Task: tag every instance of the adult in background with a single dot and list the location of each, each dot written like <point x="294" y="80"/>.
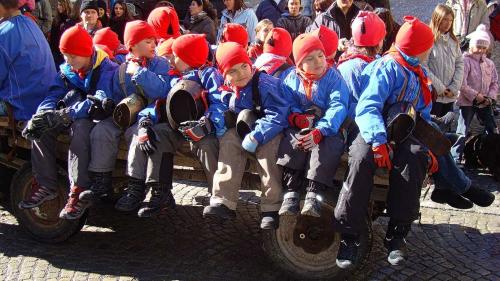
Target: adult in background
<point x="26" y="52"/>
<point x="320" y="6"/>
<point x="379" y="3"/>
<point x="119" y="18"/>
<point x="294" y="21"/>
<point x="43" y="15"/>
<point x="237" y="12"/>
<point x="64" y="19"/>
<point x="271" y="10"/>
<point x="469" y="14"/>
<point x="103" y="15"/>
<point x="201" y="19"/>
<point x="445" y="64"/>
<point x="89" y="13"/>
<point x="391" y="27"/>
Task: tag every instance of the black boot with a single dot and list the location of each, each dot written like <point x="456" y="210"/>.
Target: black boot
<point x="161" y="198"/>
<point x="132" y="199"/>
<point x="292" y="183"/>
<point x="395" y="242"/>
<point x="445" y="196"/>
<point x="101" y="185"/>
<point x="314" y="198"/>
<point x="479" y="197"/>
<point x="218" y="211"/>
<point x="348" y="251"/>
<point x="270" y="220"/>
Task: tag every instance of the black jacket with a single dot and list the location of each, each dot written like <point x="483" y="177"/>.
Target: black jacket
<point x="334" y="19"/>
<point x="295" y="25"/>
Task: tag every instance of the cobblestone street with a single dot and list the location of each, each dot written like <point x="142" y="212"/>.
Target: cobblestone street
<point x="180" y="245"/>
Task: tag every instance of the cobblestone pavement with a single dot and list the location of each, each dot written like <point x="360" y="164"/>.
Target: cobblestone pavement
<point x="179" y="245"/>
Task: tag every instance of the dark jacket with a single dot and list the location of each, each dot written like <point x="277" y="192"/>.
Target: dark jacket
<point x="202" y="24"/>
<point x="334" y="19"/>
<point x="390" y="37"/>
<point x="118" y="26"/>
<point x="58" y="27"/>
<point x="295" y="25"/>
<point x="268" y="9"/>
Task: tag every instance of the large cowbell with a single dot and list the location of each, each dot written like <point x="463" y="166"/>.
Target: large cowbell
<point x="400" y="121"/>
<point x="125" y="113"/>
<point x="185" y="102"/>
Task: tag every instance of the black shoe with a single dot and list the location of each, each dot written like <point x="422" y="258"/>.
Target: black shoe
<point x="312" y="205"/>
<point x="101" y="185"/>
<point x="348" y="251"/>
<point x="479" y="197"/>
<point x="161" y="198"/>
<point x="132" y="199"/>
<point x="219" y="211"/>
<point x="395" y="242"/>
<point x="290" y="205"/>
<point x="445" y="196"/>
<point x="270" y="220"/>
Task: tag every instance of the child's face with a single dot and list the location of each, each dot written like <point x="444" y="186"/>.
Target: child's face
<point x="445" y="24"/>
<point x="145" y="48"/>
<point x="180" y="65"/>
<point x="77" y="62"/>
<point x="294" y="7"/>
<point x="261" y="35"/>
<point x="89" y="17"/>
<point x="477" y="50"/>
<point x="314" y="63"/>
<point x="239" y="75"/>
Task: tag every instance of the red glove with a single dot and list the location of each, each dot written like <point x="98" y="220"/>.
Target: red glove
<point x="433" y="163"/>
<point x="301" y="121"/>
<point x="381" y="156"/>
<point x="309" y="139"/>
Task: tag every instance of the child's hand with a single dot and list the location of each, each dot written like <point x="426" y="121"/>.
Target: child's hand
<point x="448" y="93"/>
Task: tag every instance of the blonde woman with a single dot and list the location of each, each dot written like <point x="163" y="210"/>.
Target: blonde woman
<point x="445" y="64"/>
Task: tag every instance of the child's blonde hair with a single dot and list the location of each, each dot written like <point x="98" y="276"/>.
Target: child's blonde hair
<point x="263" y="23"/>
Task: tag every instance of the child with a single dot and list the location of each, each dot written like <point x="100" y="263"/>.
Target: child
<point x="86" y="72"/>
<point x="293" y="21"/>
<point x="234" y="32"/>
<point x="107" y="40"/>
<point x="479" y="89"/>
<point x="277" y="50"/>
<point x="313" y="144"/>
<point x="261" y="31"/>
<point x="254" y="91"/>
<point x="330" y="41"/>
<point x="165" y="22"/>
<point x="147" y="71"/>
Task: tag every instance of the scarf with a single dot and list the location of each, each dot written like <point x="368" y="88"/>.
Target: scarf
<point x="198" y="17"/>
<point x="308" y="81"/>
<point x="425" y="82"/>
<point x="345" y="57"/>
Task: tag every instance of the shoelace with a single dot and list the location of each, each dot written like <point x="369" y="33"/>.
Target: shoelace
<point x="38" y="192"/>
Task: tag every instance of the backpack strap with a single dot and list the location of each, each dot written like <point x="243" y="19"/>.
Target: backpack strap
<point x="121" y="78"/>
<point x="96" y="74"/>
<point x="256" y="94"/>
<point x="280" y="69"/>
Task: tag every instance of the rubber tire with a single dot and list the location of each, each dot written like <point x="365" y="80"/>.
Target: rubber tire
<point x="301" y="265"/>
<point x="53" y="229"/>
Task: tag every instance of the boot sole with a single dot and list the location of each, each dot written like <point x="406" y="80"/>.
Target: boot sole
<point x="288" y="213"/>
<point x="444" y="201"/>
<point x="310" y="213"/>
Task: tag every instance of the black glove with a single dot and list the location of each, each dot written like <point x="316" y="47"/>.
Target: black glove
<point x="195" y="130"/>
<point x="100" y="109"/>
<point x="46" y="120"/>
<point x="147" y="137"/>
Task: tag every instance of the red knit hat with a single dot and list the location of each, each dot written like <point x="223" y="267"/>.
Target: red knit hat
<point x="278" y="42"/>
<point x="329" y="38"/>
<point x="136" y="31"/>
<point x="191" y="49"/>
<point x="303" y="45"/>
<point x="368" y="29"/>
<point x="414" y="37"/>
<point x="165" y="21"/>
<point x="229" y="54"/>
<point x="107" y="37"/>
<point x="76" y="41"/>
<point x="165" y="47"/>
<point x="234" y="32"/>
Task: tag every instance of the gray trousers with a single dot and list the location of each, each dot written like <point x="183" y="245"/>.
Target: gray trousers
<point x="319" y="164"/>
<point x="44" y="151"/>
<point x="410" y="163"/>
<point x="148" y="167"/>
<point x="207" y="152"/>
<point x="105" y="142"/>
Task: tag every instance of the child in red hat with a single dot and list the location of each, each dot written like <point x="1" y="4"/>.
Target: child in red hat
<point x="261" y="30"/>
<point x="311" y="149"/>
<point x="330" y="41"/>
<point x="234" y="32"/>
<point x="145" y="72"/>
<point x="107" y="40"/>
<point x="81" y="93"/>
<point x="165" y="22"/>
<point x="277" y="50"/>
<point x="251" y="95"/>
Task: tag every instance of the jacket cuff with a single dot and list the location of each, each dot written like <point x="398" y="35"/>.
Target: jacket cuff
<point x="257" y="136"/>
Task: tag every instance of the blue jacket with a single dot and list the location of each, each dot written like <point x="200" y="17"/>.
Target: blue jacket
<point x="26" y="66"/>
<point x="210" y="80"/>
<point x="330" y="93"/>
<point x="104" y="87"/>
<point x="351" y="72"/>
<point x="382" y="82"/>
<point x="268" y="9"/>
<point x="154" y="80"/>
<point x="245" y="17"/>
<point x="274" y="106"/>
